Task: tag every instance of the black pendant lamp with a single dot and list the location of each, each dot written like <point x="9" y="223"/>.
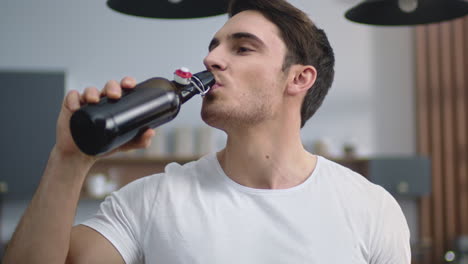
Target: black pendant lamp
<point x="172" y="9"/>
<point x="406" y="12"/>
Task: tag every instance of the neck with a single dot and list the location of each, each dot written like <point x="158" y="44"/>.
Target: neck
<point x="266" y="158"/>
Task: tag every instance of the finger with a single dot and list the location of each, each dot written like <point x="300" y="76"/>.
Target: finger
<point x="128" y="82"/>
<point x="72" y="101"/>
<point x="146" y="138"/>
<point x="112" y="90"/>
<point x="83" y="96"/>
<point x="143" y="141"/>
<point x="91" y="95"/>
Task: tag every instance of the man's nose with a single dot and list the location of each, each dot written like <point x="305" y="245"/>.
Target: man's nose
<point x="215" y="60"/>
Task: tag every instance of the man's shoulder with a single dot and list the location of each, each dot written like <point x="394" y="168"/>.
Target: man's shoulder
<point x="362" y="200"/>
<point x="351" y="185"/>
<point x="176" y="178"/>
<point x="343" y="175"/>
<point x="175" y="171"/>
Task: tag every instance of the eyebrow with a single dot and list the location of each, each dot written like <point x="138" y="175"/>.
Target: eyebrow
<point x="236" y="36"/>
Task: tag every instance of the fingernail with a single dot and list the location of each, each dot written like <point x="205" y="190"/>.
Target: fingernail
<point x="114" y="91"/>
<point x="129" y="83"/>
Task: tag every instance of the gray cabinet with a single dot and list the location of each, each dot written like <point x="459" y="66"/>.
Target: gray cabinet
<point x="29" y="107"/>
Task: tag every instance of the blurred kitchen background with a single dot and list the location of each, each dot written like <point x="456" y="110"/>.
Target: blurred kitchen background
<point x="396" y="112"/>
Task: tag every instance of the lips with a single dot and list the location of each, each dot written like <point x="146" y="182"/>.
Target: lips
<point x="217" y="84"/>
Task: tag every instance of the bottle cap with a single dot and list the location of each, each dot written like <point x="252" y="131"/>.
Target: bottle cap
<point x="182" y="76"/>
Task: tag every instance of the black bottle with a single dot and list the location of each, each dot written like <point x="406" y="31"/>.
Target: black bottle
<point x="107" y="125"/>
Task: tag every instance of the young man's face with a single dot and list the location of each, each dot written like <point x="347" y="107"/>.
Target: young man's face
<point x="246" y="56"/>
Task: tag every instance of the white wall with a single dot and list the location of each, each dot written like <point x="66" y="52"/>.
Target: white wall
<point x="370" y="103"/>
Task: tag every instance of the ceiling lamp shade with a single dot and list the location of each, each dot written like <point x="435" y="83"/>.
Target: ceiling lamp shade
<point x="172" y="9"/>
<point x="406" y="12"/>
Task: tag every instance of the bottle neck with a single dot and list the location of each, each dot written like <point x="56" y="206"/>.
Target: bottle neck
<point x="201" y="81"/>
<point x="187" y="92"/>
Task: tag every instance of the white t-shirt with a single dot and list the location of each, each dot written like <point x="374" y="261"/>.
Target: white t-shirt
<point x="196" y="214"/>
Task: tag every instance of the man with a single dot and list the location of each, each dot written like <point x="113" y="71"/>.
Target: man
<point x="262" y="199"/>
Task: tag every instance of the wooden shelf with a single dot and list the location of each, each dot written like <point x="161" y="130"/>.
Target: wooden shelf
<point x="123" y="170"/>
<point x="131" y="168"/>
<point x="146" y="160"/>
<point x="358" y="165"/>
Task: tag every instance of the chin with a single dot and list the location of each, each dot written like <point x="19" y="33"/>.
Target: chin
<point x="213" y="114"/>
<point x="209" y="115"/>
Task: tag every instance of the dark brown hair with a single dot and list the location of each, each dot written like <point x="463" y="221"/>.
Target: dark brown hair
<point x="306" y="45"/>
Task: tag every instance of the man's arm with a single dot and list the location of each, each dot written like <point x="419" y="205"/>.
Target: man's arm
<point x="391" y="241"/>
<point x="89" y="246"/>
<point x="44" y="234"/>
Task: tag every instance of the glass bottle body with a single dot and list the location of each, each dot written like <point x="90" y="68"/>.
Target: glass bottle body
<point x="102" y="127"/>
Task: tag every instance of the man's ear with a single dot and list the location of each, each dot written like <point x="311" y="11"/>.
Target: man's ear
<point x="303" y="77"/>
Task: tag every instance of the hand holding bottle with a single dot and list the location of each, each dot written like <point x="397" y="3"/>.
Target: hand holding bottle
<point x="110" y="124"/>
<point x="91" y="95"/>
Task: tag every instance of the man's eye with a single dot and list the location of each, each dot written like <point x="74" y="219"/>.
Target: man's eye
<point x="243" y="50"/>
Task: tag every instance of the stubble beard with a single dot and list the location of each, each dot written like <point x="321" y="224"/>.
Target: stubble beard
<point x="248" y="113"/>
